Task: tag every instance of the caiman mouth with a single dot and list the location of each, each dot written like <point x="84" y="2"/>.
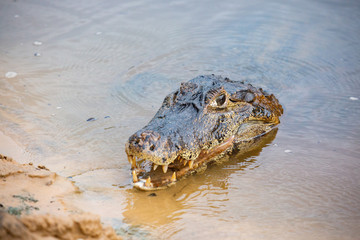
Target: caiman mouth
<point x="147" y="175"/>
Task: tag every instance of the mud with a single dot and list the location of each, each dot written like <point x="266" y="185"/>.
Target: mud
<point x="79" y="226"/>
<point x="32" y="206"/>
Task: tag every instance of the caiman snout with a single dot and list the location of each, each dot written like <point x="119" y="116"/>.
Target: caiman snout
<point x="144" y="140"/>
<point x="150" y="145"/>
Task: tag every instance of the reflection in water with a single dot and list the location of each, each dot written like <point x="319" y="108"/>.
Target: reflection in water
<point x="163" y="210"/>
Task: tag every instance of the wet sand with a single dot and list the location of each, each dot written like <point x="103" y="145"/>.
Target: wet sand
<point x="32" y="206"/>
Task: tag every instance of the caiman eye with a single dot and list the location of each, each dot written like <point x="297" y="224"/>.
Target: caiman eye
<point x="219" y="101"/>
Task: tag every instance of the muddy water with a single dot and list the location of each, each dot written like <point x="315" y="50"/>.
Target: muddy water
<point x="90" y="73"/>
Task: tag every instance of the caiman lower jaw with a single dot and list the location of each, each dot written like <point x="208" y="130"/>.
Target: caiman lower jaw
<point x="148" y="176"/>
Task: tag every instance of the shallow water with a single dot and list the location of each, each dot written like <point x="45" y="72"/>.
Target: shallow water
<point x="115" y="62"/>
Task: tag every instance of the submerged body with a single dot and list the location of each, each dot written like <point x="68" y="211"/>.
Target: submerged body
<point x="207" y="117"/>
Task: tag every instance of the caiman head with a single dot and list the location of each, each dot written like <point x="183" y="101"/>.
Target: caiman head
<point x="204" y="118"/>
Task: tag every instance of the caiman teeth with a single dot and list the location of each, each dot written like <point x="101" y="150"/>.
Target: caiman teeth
<point x="191" y="163"/>
<point x="165" y="168"/>
<point x="135" y="178"/>
<point x="185" y="162"/>
<point x="155" y="166"/>
<point x="173" y="177"/>
<point x="148" y="182"/>
<point x="132" y="160"/>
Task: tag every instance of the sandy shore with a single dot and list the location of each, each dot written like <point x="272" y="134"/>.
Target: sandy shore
<point x="32" y="206"/>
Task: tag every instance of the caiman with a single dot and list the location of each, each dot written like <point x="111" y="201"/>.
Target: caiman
<point x="197" y="124"/>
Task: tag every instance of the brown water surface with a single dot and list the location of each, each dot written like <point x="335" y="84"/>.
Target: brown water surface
<point x="115" y="61"/>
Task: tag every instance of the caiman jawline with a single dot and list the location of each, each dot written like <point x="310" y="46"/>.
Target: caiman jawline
<point x="164" y="178"/>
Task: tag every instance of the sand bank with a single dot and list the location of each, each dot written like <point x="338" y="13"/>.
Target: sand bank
<point x="32" y="206"/>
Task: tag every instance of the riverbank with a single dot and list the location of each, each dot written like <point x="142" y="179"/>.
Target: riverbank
<point x="32" y="206"/>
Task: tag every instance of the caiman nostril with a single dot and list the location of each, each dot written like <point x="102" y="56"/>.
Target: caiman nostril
<point x="146" y="140"/>
<point x="149" y="135"/>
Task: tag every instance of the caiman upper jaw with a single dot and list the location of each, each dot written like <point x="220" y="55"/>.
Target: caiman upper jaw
<point x="149" y="145"/>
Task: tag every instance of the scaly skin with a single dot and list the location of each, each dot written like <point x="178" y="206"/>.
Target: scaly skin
<point x="204" y="119"/>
